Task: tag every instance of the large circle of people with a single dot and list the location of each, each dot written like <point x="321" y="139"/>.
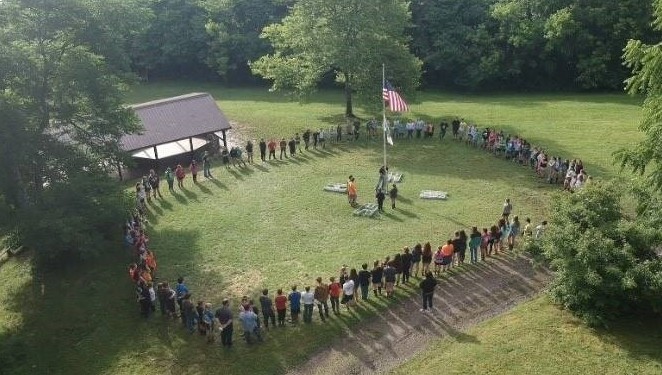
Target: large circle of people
<point x="352" y="285"/>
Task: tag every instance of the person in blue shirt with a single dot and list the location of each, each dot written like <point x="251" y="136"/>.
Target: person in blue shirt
<point x="295" y="304"/>
<point x="249" y="322"/>
<point x="181" y="290"/>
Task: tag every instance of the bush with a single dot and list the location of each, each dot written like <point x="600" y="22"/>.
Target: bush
<point x="605" y="262"/>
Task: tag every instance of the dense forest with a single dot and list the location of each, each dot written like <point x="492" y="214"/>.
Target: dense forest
<point x="463" y="44"/>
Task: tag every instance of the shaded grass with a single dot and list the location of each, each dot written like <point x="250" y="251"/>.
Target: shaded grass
<point x="272" y="226"/>
<point x="538" y="338"/>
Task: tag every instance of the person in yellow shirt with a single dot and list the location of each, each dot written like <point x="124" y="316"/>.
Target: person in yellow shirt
<point x="351" y="191"/>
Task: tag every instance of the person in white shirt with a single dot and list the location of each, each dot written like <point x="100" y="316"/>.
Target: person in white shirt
<point x="308" y="299"/>
<point x="348" y="293"/>
<point x="540" y="230"/>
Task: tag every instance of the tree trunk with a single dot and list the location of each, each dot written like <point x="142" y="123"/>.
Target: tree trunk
<point x="348" y="96"/>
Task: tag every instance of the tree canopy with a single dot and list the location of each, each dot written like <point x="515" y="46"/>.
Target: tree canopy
<point x="349" y="39"/>
<point x="645" y="60"/>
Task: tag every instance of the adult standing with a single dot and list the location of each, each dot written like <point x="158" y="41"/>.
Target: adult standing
<point x="293" y="146"/>
<point x="507" y="208"/>
<point x="393" y="194"/>
<point x="283" y="148"/>
<point x="321" y="295"/>
<point x="334" y="295"/>
<point x="514" y="232"/>
<point x="427" y="290"/>
<point x="352" y="192"/>
<point x="348" y="293"/>
<point x="249" y="151"/>
<point x="316" y="136"/>
<point x="389" y="278"/>
<point x="306" y="139"/>
<point x="308" y="300"/>
<point x="267" y="308"/>
<point x="154" y="182"/>
<point x="170" y="177"/>
<point x="263" y="149"/>
<point x="194" y="171"/>
<point x="474" y="244"/>
<point x="364" y="281"/>
<point x="272" y="149"/>
<point x="224" y="317"/>
<point x="249" y="322"/>
<point x="206" y="165"/>
<point x="406" y="265"/>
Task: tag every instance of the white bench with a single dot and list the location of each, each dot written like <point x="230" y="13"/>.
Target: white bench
<point x="368" y="210"/>
<point x="336" y="188"/>
<point x="433" y="194"/>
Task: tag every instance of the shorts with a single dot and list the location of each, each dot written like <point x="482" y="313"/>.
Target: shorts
<point x="346" y="298"/>
<point x="446" y="260"/>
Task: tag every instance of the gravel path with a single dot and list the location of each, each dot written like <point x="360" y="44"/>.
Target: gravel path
<point x="396" y="335"/>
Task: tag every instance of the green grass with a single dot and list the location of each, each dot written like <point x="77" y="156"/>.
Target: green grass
<point x="538" y="338"/>
<point x="272" y="226"/>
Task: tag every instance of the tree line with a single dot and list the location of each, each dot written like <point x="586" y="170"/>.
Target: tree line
<point x="466" y="44"/>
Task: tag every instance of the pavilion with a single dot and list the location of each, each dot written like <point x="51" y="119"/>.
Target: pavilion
<point x="177" y="125"/>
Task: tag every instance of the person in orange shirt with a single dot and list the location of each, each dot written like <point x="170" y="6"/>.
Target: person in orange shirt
<point x="447" y="255"/>
<point x="351" y="191"/>
<point x="150" y="261"/>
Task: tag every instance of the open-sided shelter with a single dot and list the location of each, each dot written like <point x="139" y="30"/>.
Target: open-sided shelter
<point x="176" y="125"/>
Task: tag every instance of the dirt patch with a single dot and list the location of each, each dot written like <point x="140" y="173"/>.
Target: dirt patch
<point x="461" y="300"/>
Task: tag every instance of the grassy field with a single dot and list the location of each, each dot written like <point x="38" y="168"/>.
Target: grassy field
<point x="271" y="226"/>
<point x="537" y="338"/>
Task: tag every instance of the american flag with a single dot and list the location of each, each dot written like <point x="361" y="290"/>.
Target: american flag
<point x="394" y="100"/>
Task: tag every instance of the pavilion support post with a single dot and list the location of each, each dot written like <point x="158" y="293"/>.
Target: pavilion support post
<point x="156" y="158"/>
<point x="225" y="140"/>
<point x="190" y="142"/>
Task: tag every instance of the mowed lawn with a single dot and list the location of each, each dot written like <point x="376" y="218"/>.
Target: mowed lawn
<point x="272" y="226"/>
<point x="538" y="338"/>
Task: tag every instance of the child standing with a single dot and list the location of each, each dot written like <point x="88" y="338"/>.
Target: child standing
<point x="393" y="194"/>
<point x="334" y="295"/>
<point x="295" y="304"/>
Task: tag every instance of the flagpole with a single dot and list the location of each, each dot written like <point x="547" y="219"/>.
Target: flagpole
<point x="384" y="127"/>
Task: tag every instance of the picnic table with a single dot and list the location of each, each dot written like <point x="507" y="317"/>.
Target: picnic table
<point x="368" y="210"/>
<point x="433" y="194"/>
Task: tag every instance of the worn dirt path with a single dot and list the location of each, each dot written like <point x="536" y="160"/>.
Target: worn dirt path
<point x="462" y="300"/>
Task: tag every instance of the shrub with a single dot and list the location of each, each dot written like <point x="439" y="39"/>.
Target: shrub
<point x="605" y="261"/>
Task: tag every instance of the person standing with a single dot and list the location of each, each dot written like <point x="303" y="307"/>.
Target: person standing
<point x="249" y="322"/>
<point x="364" y="281"/>
<point x="308" y="299"/>
<point x="474" y="244"/>
<point x="267" y="309"/>
<point x="297" y="141"/>
<point x="189" y="314"/>
<point x="339" y="133"/>
<point x="389" y="278"/>
<point x="293" y="147"/>
<point x="443" y="126"/>
<point x="306" y="138"/>
<point x="321" y="295"/>
<point x="348" y="293"/>
<point x="316" y="137"/>
<point x="380" y="200"/>
<point x="416" y="259"/>
<point x="426" y="258"/>
<point x="376" y="273"/>
<point x="515" y="227"/>
<point x="206" y="165"/>
<point x="406" y="265"/>
<point x="393" y="194"/>
<point x="507" y="208"/>
<point x="154" y="182"/>
<point x="249" y="151"/>
<point x="351" y="191"/>
<point x="427" y="290"/>
<point x="181" y="290"/>
<point x="283" y="148"/>
<point x="272" y="149"/>
<point x="224" y="321"/>
<point x="322" y="138"/>
<point x="194" y="171"/>
<point x="169" y="176"/>
<point x="263" y="149"/>
<point x="334" y="295"/>
<point x="295" y="304"/>
<point x="281" y="307"/>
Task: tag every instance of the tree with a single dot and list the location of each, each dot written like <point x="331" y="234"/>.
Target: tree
<point x="645" y="61"/>
<point x="348" y="38"/>
<point x="61" y="115"/>
<point x="605" y="261"/>
<point x="234" y="28"/>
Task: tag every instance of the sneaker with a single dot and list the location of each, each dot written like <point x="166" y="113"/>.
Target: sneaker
<point x="422" y="310"/>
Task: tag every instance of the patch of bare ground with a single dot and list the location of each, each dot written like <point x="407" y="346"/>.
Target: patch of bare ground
<point x="461" y="300"/>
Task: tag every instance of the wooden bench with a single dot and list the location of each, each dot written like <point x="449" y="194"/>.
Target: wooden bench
<point x="433" y="194"/>
<point x="336" y="188"/>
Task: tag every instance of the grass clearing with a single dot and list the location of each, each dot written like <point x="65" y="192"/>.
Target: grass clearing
<point x="272" y="226"/>
<point x="538" y="338"/>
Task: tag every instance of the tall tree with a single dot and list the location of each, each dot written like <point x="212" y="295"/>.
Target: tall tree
<point x="645" y="60"/>
<point x="61" y="110"/>
<point x="349" y="38"/>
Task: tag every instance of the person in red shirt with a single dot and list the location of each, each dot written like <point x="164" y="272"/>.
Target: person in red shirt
<point x="334" y="295"/>
<point x="281" y="307"/>
<point x="180" y="174"/>
<point x="272" y="149"/>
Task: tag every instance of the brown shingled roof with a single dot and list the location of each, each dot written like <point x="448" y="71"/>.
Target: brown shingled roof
<point x="172" y="119"/>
